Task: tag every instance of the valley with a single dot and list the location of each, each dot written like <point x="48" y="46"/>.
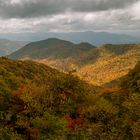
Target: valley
<point x="69" y="69"/>
<point x="38" y="102"/>
<point x="96" y="65"/>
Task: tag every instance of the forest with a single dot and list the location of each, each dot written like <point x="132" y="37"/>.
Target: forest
<point x="40" y="103"/>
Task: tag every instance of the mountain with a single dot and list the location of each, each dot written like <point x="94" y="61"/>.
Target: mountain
<point x="51" y="48"/>
<point x="113" y="62"/>
<point x="32" y="93"/>
<point x="38" y="102"/>
<point x="97" y="65"/>
<point x="8" y="46"/>
<point x="95" y="38"/>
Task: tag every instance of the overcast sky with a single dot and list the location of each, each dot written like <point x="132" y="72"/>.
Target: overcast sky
<point x="69" y="15"/>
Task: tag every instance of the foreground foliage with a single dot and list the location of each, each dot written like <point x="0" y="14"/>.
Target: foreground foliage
<point x="40" y="103"/>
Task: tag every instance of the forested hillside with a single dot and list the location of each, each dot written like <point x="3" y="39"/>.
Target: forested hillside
<point x="114" y="62"/>
<point x="38" y="102"/>
<point x="96" y="65"/>
<point x="51" y="48"/>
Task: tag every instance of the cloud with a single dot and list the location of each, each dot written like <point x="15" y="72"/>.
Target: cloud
<point x="69" y="15"/>
<point x="39" y="8"/>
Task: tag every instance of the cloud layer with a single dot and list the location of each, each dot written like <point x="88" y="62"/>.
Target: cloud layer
<point x="69" y="15"/>
<point x="37" y="8"/>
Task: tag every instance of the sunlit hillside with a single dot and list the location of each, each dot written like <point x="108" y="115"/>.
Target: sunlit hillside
<point x="40" y="103"/>
<point x="101" y="65"/>
<point x="96" y="65"/>
<point x="110" y="66"/>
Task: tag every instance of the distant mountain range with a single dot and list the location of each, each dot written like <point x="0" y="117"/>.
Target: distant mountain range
<point x="95" y="38"/>
<point x="97" y="65"/>
<point x="7" y="46"/>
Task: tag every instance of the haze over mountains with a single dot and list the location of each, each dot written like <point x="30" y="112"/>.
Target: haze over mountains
<point x="95" y="38"/>
<point x="8" y="46"/>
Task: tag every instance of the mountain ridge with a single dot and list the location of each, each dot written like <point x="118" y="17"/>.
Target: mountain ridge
<point x="97" y="65"/>
<point x="95" y="38"/>
<point x="52" y="47"/>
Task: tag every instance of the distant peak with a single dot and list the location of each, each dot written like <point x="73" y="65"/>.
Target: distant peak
<point x="4" y="40"/>
<point x="85" y="44"/>
<point x="55" y="39"/>
<point x="52" y="39"/>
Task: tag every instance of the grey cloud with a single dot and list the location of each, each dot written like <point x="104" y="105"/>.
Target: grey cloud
<point x="38" y="8"/>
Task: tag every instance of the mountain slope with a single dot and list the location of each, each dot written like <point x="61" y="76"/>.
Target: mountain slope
<point x="51" y="48"/>
<point x="38" y="102"/>
<point x="97" y="65"/>
<point x="7" y="46"/>
<point x="101" y="65"/>
<point x="28" y="91"/>
<point x="113" y="63"/>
